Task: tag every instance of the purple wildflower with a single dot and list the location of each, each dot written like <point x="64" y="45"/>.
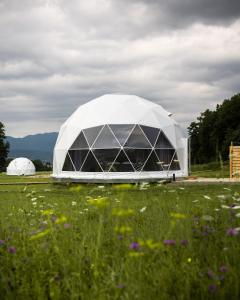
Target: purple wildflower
<point x="223" y="269"/>
<point x="134" y="246"/>
<point x="12" y="249"/>
<point x="169" y="242"/>
<point x="2" y="242"/>
<point x="184" y="242"/>
<point x="120" y="237"/>
<point x="210" y="274"/>
<point x="232" y="232"/>
<point x="53" y="219"/>
<point x="66" y="225"/>
<point x="221" y="277"/>
<point x="212" y="288"/>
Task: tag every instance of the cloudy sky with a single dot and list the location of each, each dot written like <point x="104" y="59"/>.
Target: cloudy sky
<point x="56" y="55"/>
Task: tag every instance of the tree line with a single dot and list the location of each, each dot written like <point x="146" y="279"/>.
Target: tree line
<point x="214" y="131"/>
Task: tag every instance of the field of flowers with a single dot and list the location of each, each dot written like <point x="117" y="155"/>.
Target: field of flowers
<point x="120" y="242"/>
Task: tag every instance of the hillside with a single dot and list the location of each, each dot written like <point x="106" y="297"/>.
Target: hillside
<point x="38" y="146"/>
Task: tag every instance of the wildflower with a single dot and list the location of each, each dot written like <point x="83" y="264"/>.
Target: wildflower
<point x="61" y="220"/>
<point x="189" y="260"/>
<point x="40" y="234"/>
<point x="123" y="212"/>
<point x="236" y="207"/>
<point x="225" y="206"/>
<point x="123" y="229"/>
<point x="99" y="202"/>
<point x="12" y="250"/>
<point x="237" y="215"/>
<point x="212" y="288"/>
<point x="184" y="242"/>
<point x="177" y="215"/>
<point x="47" y="212"/>
<point x="223" y="269"/>
<point x="134" y="246"/>
<point x="169" y="242"/>
<point x="2" y="242"/>
<point x="232" y="232"/>
<point x="142" y="209"/>
<point x="207" y="197"/>
<point x="210" y="274"/>
<point x="74" y="203"/>
<point x="66" y="225"/>
<point x="136" y="254"/>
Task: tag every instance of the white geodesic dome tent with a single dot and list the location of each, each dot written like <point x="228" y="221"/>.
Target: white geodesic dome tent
<point x="21" y="166"/>
<point x="119" y="138"/>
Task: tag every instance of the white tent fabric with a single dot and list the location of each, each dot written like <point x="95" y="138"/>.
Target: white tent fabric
<point x="21" y="166"/>
<point x="119" y="109"/>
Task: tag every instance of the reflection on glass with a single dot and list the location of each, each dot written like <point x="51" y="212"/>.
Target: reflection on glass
<point x="151" y="133"/>
<point x="122" y="164"/>
<point x="163" y="142"/>
<point x="138" y="157"/>
<point x="80" y="142"/>
<point x="68" y="166"/>
<point x="91" y="134"/>
<point x="106" y="157"/>
<point x="105" y="140"/>
<point x="137" y="139"/>
<point x="121" y="132"/>
<point x="78" y="157"/>
<point x="90" y="164"/>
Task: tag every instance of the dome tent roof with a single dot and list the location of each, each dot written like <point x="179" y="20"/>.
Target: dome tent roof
<point x="117" y="109"/>
<point x="21" y="166"/>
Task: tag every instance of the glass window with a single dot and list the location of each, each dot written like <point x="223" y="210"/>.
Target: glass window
<point x="163" y="142"/>
<point x="121" y="164"/>
<point x="137" y="139"/>
<point x="122" y="132"/>
<point x="153" y="163"/>
<point x="68" y="166"/>
<point x="106" y="157"/>
<point x="138" y="157"/>
<point x="91" y="134"/>
<point x="105" y="140"/>
<point x="175" y="163"/>
<point x="151" y="133"/>
<point x="90" y="164"/>
<point x="80" y="142"/>
<point x="165" y="157"/>
<point x="78" y="157"/>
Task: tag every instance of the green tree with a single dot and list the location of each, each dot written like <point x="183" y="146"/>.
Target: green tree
<point x="4" y="148"/>
<point x="214" y="131"/>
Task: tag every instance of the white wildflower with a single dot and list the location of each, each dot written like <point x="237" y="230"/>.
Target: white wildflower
<point x="142" y="209"/>
<point x="207" y="197"/>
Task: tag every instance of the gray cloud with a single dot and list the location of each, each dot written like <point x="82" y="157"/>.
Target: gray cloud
<point x="56" y="55"/>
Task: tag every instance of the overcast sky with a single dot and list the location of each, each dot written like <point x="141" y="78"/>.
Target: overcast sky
<point x="56" y="55"/>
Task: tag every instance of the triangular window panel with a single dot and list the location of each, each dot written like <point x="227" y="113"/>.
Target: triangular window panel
<point x="121" y="164"/>
<point x="137" y="139"/>
<point x="106" y="157"/>
<point x="138" y="157"/>
<point x="175" y="166"/>
<point x="153" y="163"/>
<point x="78" y="157"/>
<point x="80" y="142"/>
<point x="90" y="164"/>
<point x="151" y="133"/>
<point x="122" y="132"/>
<point x="163" y="142"/>
<point x="106" y="140"/>
<point x="165" y="157"/>
<point x="68" y="166"/>
<point x="91" y="134"/>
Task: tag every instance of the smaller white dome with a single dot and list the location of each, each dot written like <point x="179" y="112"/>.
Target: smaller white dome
<point x="21" y="166"/>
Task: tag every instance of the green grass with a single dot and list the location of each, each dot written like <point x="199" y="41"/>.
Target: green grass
<point x="211" y="170"/>
<point x="70" y="246"/>
<point x="39" y="177"/>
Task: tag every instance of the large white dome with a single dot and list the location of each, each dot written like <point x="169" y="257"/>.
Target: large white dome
<point x="21" y="166"/>
<point x="108" y="119"/>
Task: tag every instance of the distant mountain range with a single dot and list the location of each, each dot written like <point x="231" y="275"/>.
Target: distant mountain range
<point x="38" y="146"/>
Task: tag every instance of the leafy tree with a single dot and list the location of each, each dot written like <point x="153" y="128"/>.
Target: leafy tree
<point x="214" y="131"/>
<point x="4" y="148"/>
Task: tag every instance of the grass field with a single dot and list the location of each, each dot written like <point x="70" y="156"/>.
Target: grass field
<point x="119" y="242"/>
